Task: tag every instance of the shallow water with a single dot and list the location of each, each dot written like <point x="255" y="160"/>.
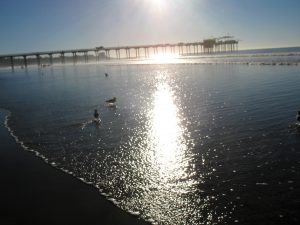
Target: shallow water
<point x="185" y="144"/>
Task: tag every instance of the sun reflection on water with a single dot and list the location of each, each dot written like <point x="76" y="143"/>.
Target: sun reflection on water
<point x="170" y="171"/>
<point x="163" y="58"/>
<point x="166" y="134"/>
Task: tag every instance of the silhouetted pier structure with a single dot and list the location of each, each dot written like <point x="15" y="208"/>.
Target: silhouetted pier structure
<point x="207" y="46"/>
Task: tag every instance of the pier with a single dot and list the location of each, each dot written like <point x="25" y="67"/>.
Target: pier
<point x="207" y="46"/>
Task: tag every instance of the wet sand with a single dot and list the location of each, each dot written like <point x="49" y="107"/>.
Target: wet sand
<point x="33" y="192"/>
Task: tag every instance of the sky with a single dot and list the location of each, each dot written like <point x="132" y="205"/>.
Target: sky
<point x="44" y="25"/>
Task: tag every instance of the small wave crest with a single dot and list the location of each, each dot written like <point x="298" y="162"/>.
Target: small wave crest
<point x="53" y="164"/>
<point x="96" y="121"/>
<point x="7" y="114"/>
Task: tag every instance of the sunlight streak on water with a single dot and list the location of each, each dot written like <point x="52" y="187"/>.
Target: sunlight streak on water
<point x="163" y="58"/>
<point x="167" y="149"/>
<point x="166" y="134"/>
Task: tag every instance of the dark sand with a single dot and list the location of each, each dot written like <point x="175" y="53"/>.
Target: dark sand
<point x="33" y="192"/>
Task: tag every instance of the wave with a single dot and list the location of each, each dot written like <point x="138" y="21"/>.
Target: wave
<point x="11" y="132"/>
<point x="208" y="62"/>
<point x="101" y="191"/>
<point x="247" y="57"/>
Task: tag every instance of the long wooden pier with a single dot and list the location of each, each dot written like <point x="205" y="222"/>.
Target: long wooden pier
<point x="207" y="46"/>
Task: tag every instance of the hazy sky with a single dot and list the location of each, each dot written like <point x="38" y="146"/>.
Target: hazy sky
<point x="37" y="25"/>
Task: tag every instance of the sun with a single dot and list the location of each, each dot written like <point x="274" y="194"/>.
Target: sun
<point x="157" y="2"/>
<point x="158" y="5"/>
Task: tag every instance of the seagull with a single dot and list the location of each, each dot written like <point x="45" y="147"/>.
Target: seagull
<point x="96" y="116"/>
<point x="111" y="101"/>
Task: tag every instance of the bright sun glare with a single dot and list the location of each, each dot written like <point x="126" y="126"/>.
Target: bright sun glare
<point x="159" y="5"/>
<point x="163" y="57"/>
<point x="166" y="133"/>
<point x="156" y="2"/>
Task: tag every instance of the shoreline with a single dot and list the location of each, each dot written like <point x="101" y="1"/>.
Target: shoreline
<point x="33" y="192"/>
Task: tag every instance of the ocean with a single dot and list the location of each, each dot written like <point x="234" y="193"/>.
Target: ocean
<point x="208" y="139"/>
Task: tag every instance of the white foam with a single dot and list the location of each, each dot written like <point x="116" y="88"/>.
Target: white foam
<point x="152" y="221"/>
<point x="135" y="213"/>
<point x="113" y="201"/>
<point x="53" y="164"/>
<point x="262" y="184"/>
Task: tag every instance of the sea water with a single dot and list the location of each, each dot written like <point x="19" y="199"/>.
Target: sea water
<point x="187" y="142"/>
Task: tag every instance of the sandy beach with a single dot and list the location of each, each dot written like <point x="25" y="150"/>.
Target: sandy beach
<point x="33" y="192"/>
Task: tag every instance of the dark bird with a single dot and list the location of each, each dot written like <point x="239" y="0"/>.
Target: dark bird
<point x="97" y="117"/>
<point x="96" y="114"/>
<point x="106" y="74"/>
<point x="111" y="101"/>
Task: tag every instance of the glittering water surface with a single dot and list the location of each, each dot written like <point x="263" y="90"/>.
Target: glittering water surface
<point x="185" y="144"/>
